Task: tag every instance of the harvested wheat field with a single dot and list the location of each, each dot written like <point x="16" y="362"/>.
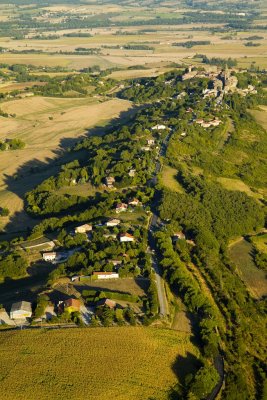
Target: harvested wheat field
<point x="125" y="363"/>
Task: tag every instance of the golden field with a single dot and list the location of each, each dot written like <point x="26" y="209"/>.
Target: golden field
<point x="125" y="363"/>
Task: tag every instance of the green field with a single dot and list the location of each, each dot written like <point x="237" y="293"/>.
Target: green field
<point x="168" y="179"/>
<point x="100" y="363"/>
<point x="254" y="278"/>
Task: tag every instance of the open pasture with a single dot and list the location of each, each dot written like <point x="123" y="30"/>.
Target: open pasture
<point x="168" y="179"/>
<point x="254" y="278"/>
<point x="239" y="185"/>
<point x="123" y="363"/>
<point x="261" y="116"/>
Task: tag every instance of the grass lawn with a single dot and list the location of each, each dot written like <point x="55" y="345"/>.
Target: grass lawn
<point x="136" y="286"/>
<point x="239" y="185"/>
<point x="261" y="116"/>
<point x="254" y="278"/>
<point x="126" y="363"/>
<point x="167" y="179"/>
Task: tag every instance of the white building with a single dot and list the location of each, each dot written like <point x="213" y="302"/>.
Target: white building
<point x="132" y="172"/>
<point x="105" y="275"/>
<point x="50" y="256"/>
<point x="21" y="310"/>
<point x="133" y="202"/>
<point x="126" y="237"/>
<point x="158" y="127"/>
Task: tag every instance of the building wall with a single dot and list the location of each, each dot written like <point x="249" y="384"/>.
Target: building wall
<point x="113" y="276"/>
<point x="20" y="314"/>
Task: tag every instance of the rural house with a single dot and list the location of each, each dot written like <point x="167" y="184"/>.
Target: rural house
<point x="126" y="237"/>
<point x="83" y="228"/>
<point x="50" y="256"/>
<point x="131" y="173"/>
<point x="109" y="181"/>
<point x="133" y="202"/>
<point x="150" y="142"/>
<point x="72" y="305"/>
<point x="21" y="310"/>
<point x="121" y="207"/>
<point x="106" y="302"/>
<point x="178" y="236"/>
<point x="113" y="222"/>
<point x="158" y="127"/>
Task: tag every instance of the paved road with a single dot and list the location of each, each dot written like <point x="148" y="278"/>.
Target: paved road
<point x="219" y="365"/>
<point x="153" y="226"/>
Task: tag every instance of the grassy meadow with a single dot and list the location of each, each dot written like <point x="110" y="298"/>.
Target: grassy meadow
<point x="254" y="278"/>
<point x="99" y="363"/>
<point x="168" y="180"/>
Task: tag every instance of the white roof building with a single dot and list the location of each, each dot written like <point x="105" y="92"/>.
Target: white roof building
<point x="113" y="222"/>
<point x="21" y="310"/>
<point x="50" y="256"/>
<point x="126" y="237"/>
<point x="158" y="127"/>
<point x="105" y="275"/>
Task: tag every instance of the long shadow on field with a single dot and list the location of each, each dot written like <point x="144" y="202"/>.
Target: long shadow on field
<point x="183" y="367"/>
<point x="34" y="171"/>
<point x="26" y="288"/>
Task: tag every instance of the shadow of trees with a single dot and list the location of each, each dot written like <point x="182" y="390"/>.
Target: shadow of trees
<point x="13" y="290"/>
<point x="184" y="368"/>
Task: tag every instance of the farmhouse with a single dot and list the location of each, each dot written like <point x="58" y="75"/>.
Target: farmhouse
<point x="21" y="310"/>
<point x="72" y="305"/>
<point x="150" y="142"/>
<point x="126" y="237"/>
<point x="121" y="207"/>
<point x="83" y="228"/>
<point x="105" y="275"/>
<point x="132" y="173"/>
<point x="133" y="202"/>
<point x="113" y="222"/>
<point x="109" y="181"/>
<point x="49" y="256"/>
<point x="178" y="236"/>
<point x="158" y="127"/>
<point x="106" y="302"/>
